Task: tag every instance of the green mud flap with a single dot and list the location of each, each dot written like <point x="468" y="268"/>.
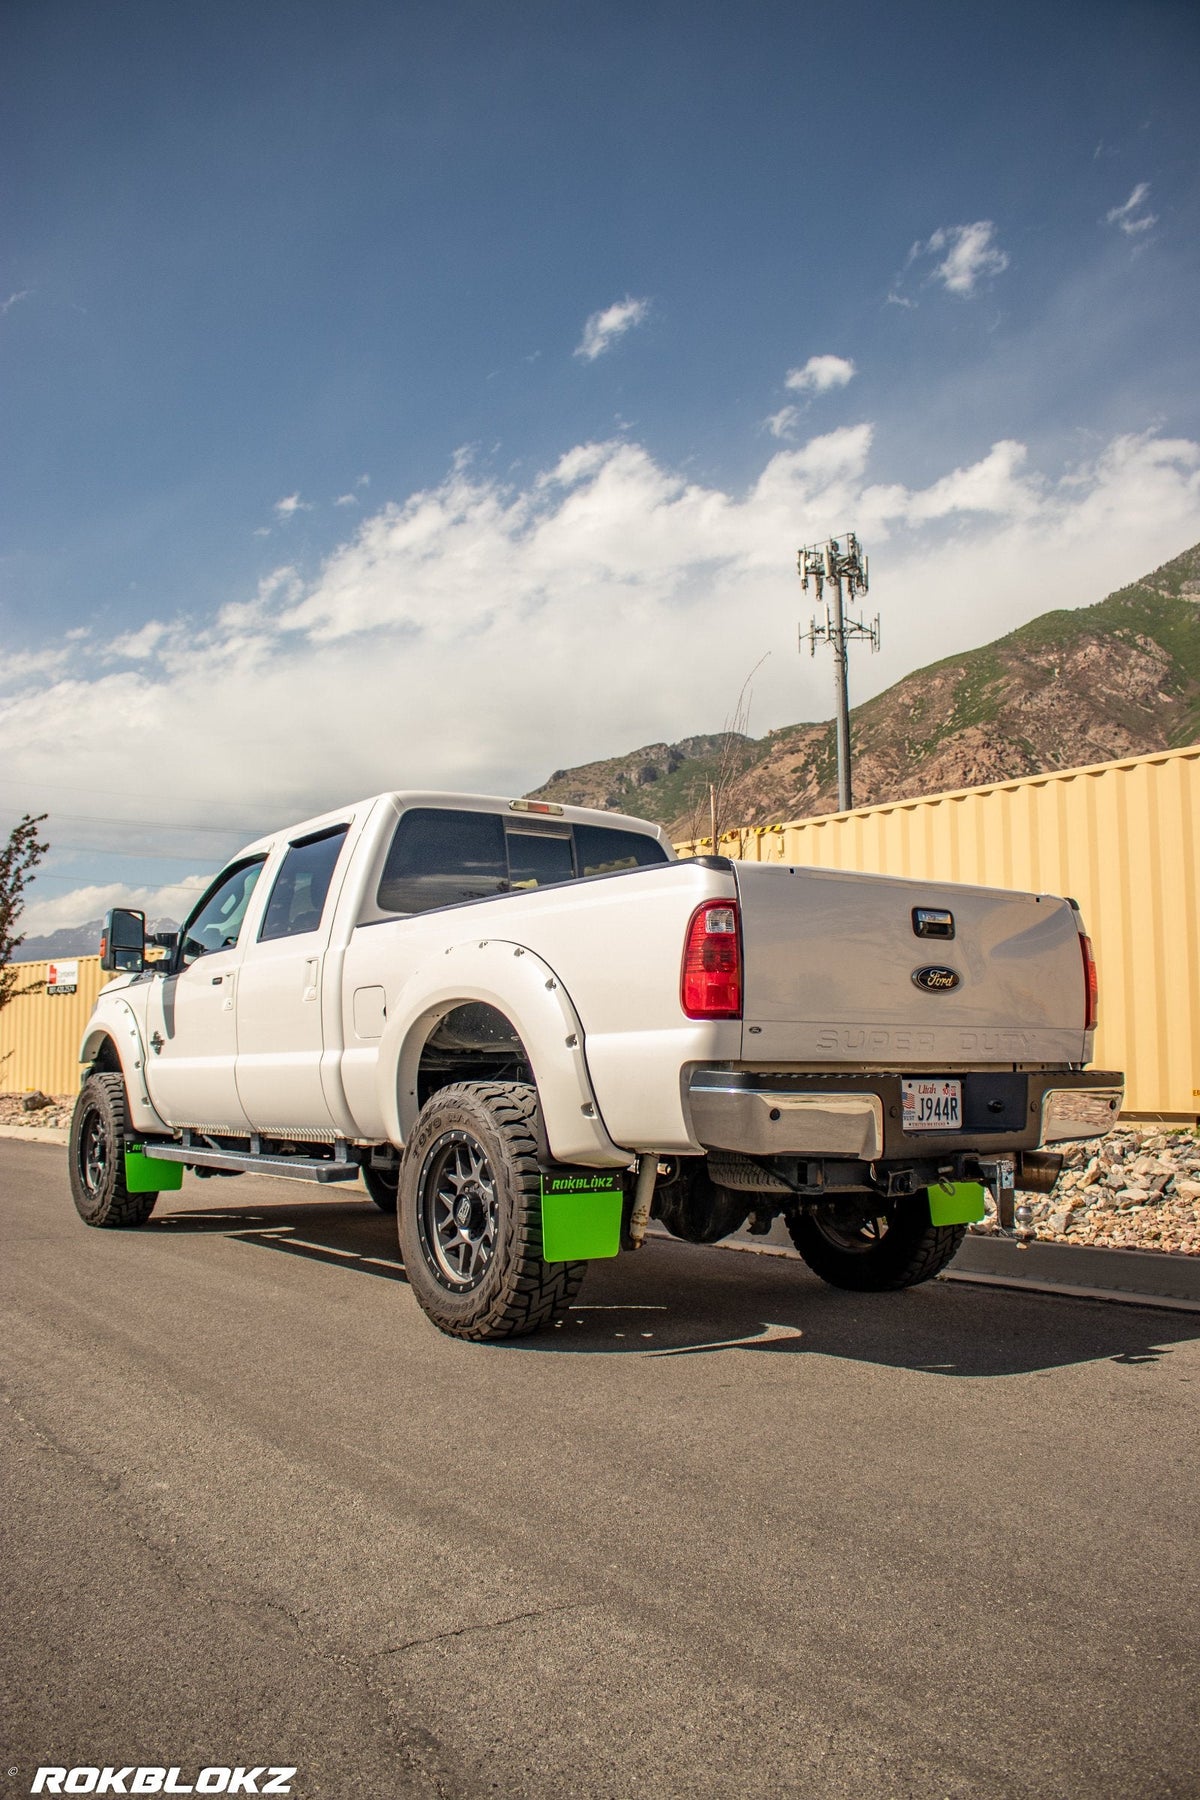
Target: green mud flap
<point x="581" y="1216"/>
<point x="956" y="1203"/>
<point x="146" y="1175"/>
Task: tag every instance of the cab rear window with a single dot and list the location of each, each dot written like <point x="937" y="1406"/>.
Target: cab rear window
<point x="441" y="856"/>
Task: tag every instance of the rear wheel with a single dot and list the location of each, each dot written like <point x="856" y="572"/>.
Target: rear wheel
<point x="97" y="1157"/>
<point x="470" y="1215"/>
<point x="873" y="1247"/>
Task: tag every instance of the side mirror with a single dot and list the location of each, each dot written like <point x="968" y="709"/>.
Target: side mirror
<point x="123" y="941"/>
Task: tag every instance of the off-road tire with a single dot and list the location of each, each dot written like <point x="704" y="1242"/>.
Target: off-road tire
<point x="382" y="1185"/>
<point x="897" y="1247"/>
<point x="495" y="1126"/>
<point x="97" y="1157"/>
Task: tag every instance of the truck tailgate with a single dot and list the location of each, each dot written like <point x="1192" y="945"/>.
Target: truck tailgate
<point x="831" y="959"/>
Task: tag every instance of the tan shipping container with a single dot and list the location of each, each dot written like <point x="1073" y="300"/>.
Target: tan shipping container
<point x="43" y="1031"/>
<point x="1121" y="838"/>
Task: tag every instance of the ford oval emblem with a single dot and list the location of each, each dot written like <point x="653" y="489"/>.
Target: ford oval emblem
<point x="936" y="980"/>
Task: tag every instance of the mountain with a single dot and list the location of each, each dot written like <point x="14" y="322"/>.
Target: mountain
<point x="76" y="940"/>
<point x="1120" y="678"/>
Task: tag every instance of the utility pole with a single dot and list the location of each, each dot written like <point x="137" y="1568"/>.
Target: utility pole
<point x="829" y="565"/>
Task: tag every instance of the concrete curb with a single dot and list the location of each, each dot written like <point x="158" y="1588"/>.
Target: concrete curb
<point x="35" y="1134"/>
<point x="1148" y="1277"/>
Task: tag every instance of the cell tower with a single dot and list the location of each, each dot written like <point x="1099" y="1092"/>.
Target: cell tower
<point x="830" y="567"/>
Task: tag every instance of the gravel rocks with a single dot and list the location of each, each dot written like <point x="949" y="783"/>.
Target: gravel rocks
<point x="1136" y="1189"/>
<point x="37" y="1110"/>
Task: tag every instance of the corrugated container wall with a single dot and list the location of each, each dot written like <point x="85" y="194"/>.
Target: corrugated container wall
<point x="43" y="1031"/>
<point x="1122" y="838"/>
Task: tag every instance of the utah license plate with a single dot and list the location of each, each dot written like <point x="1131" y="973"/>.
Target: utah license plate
<point x="931" y="1105"/>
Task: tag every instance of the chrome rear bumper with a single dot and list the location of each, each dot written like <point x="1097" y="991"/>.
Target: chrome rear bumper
<point x="771" y="1114"/>
<point x="782" y="1122"/>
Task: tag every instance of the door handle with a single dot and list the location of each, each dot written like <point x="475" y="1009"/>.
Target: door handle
<point x="217" y="980"/>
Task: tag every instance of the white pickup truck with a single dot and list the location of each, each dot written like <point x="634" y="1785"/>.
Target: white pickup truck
<point x="531" y="1029"/>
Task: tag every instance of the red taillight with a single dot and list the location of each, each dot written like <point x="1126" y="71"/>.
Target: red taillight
<point x="712" y="963"/>
<point x="1091" y="985"/>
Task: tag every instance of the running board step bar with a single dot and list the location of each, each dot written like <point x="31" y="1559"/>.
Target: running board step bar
<point x="294" y="1168"/>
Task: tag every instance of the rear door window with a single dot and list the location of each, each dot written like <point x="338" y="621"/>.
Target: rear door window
<point x="302" y="885"/>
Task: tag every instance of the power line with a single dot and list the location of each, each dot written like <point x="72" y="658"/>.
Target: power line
<point x="58" y="787"/>
<point x="148" y="824"/>
<point x="74" y="881"/>
<point x="152" y="856"/>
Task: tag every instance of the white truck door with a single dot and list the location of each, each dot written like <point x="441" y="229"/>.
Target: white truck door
<point x="191" y="1019"/>
<point x="280" y="1039"/>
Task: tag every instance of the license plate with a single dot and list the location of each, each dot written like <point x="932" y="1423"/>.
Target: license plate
<point x="931" y="1105"/>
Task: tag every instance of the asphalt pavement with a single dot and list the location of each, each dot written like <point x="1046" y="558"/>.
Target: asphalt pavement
<point x="724" y="1532"/>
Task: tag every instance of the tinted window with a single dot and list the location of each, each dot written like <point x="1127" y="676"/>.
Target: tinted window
<point x="440" y="858"/>
<point x="217" y="920"/>
<point x="298" y="897"/>
<point x="601" y="852"/>
<point x="537" y="858"/>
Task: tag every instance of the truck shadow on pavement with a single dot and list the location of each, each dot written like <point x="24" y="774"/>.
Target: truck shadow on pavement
<point x="674" y="1299"/>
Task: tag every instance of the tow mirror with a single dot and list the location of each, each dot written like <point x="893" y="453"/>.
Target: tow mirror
<point x="123" y="941"/>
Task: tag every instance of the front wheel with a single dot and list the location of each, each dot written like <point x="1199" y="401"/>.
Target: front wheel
<point x="97" y="1157"/>
<point x="470" y="1215"/>
<point x="873" y="1247"/>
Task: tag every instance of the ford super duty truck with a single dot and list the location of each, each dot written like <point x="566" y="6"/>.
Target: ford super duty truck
<point x="530" y="1029"/>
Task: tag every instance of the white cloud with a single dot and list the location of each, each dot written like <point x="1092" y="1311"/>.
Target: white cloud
<point x="6" y="306"/>
<point x="819" y="374"/>
<point x="783" y="423"/>
<point x="79" y="905"/>
<point x="991" y="485"/>
<point x="967" y="254"/>
<point x="19" y="666"/>
<point x="288" y="507"/>
<point x="346" y="500"/>
<point x="1132" y="218"/>
<point x="136" y="645"/>
<point x="479" y="634"/>
<point x="604" y="328"/>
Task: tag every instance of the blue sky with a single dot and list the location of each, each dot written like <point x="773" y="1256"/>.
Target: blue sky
<point x="438" y="394"/>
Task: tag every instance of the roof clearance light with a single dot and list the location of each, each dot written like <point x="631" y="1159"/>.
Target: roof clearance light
<point x="711" y="983"/>
<point x="534" y="806"/>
